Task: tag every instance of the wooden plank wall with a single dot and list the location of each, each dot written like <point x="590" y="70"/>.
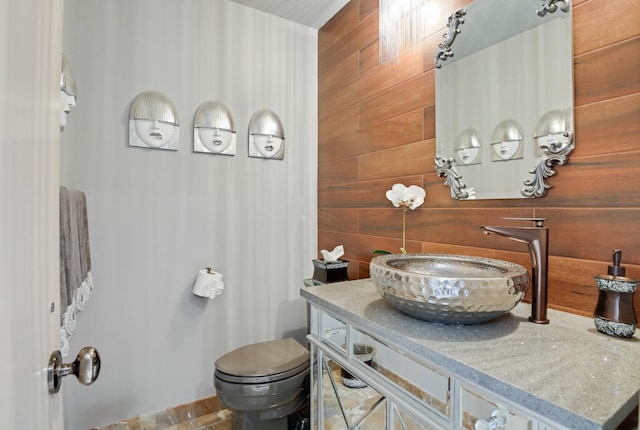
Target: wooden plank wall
<point x="377" y="128"/>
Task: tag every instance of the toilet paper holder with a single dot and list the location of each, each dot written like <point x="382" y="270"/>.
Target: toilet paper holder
<point x="208" y="284"/>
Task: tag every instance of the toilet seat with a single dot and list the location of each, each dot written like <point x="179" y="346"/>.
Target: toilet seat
<point x="263" y="362"/>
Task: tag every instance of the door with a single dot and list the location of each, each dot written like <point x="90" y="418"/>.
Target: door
<point x="30" y="58"/>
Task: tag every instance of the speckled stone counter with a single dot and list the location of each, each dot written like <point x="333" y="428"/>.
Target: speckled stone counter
<point x="565" y="371"/>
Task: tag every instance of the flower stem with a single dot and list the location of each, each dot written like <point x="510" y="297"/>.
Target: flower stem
<point x="404" y="229"/>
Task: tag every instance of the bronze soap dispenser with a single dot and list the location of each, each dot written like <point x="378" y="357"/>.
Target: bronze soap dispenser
<point x="614" y="313"/>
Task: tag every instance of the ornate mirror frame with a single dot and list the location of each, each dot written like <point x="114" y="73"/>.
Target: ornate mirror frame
<point x="504" y="62"/>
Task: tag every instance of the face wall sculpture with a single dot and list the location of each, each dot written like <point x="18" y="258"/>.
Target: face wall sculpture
<point x="213" y="129"/>
<point x="154" y="133"/>
<point x="153" y="122"/>
<point x="68" y="91"/>
<point x="266" y="135"/>
<point x="268" y="146"/>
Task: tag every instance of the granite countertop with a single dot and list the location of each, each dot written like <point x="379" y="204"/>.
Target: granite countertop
<point x="566" y="371"/>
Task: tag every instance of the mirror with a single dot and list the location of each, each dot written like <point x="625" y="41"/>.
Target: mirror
<point x="504" y="98"/>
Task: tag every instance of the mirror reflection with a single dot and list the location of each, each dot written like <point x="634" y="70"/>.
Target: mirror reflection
<point x="506" y="141"/>
<point x="468" y="147"/>
<point x="504" y="98"/>
<point x="68" y="91"/>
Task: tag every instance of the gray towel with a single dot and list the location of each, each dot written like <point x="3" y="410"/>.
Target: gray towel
<point x="75" y="258"/>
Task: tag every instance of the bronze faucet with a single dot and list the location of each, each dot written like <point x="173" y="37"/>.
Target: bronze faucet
<point x="537" y="239"/>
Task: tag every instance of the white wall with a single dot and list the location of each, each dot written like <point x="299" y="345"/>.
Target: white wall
<point x="30" y="48"/>
<point x="156" y="217"/>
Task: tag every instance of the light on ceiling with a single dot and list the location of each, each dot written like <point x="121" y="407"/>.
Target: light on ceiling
<point x="402" y="24"/>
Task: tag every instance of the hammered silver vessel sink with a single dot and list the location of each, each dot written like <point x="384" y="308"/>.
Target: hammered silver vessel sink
<point x="449" y="289"/>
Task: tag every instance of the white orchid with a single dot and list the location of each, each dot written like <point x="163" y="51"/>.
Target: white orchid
<point x="406" y="198"/>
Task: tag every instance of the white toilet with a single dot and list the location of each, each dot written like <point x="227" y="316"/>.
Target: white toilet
<point x="263" y="383"/>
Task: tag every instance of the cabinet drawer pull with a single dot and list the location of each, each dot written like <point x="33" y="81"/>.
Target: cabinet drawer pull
<point x="341" y="329"/>
<point x="497" y="420"/>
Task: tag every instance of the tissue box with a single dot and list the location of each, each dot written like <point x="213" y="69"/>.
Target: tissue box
<point x="333" y="271"/>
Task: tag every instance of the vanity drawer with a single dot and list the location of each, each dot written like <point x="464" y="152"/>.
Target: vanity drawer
<point x="475" y="404"/>
<point x="331" y="330"/>
<point x="417" y="380"/>
<point x="375" y="405"/>
<point x="424" y="383"/>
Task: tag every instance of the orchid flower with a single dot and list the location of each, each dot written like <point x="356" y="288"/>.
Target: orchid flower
<point x="407" y="198"/>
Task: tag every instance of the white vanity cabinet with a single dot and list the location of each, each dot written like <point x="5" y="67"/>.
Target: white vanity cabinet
<point x="402" y="392"/>
<point x="475" y="403"/>
<point x="508" y="374"/>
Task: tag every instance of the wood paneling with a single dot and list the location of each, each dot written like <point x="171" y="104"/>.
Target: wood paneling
<point x="342" y="73"/>
<point x="572" y="232"/>
<point x="337" y="100"/>
<point x="388" y="75"/>
<point x="361" y="194"/>
<point x="341" y="171"/>
<point x="367" y="7"/>
<point x="347" y="41"/>
<point x="369" y="56"/>
<point x="332" y="219"/>
<point x="361" y="247"/>
<point x="604" y="181"/>
<point x="371" y="83"/>
<point x="333" y="31"/>
<point x="405" y="97"/>
<point x="442" y="225"/>
<point x="412" y="159"/>
<point x="396" y="131"/>
<point x="593" y="207"/>
<point x="597" y="24"/>
<point x="429" y="122"/>
<point x="607" y="127"/>
<point x="337" y="124"/>
<point x="607" y="73"/>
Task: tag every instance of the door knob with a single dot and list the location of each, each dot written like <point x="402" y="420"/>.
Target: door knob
<point x="86" y="367"/>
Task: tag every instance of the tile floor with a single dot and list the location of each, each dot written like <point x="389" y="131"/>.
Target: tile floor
<point x="207" y="414"/>
<point x="202" y="414"/>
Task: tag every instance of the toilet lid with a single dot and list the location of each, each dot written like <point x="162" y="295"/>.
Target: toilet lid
<point x="264" y="358"/>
